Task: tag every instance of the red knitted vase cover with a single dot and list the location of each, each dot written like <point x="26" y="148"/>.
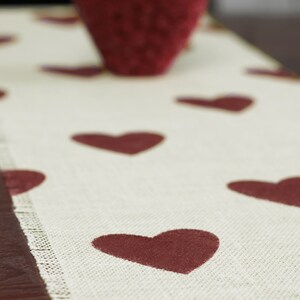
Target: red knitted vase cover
<point x="140" y="37"/>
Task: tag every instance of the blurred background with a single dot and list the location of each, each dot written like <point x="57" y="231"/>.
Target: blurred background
<point x="271" y="25"/>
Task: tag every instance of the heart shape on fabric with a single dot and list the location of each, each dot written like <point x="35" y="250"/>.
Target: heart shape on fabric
<point x="21" y="181"/>
<point x="2" y="94"/>
<point x="82" y="71"/>
<point x="4" y="39"/>
<point x="66" y="20"/>
<point x="179" y="251"/>
<point x="129" y="143"/>
<point x="232" y="103"/>
<point x="280" y="73"/>
<point x="212" y="25"/>
<point x="286" y="191"/>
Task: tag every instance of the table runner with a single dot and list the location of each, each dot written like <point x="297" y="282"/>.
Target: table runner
<point x="200" y="167"/>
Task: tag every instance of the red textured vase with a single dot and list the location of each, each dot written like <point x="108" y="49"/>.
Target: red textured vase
<point x="140" y="37"/>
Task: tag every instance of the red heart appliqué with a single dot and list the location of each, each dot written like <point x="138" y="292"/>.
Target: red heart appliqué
<point x="2" y="94"/>
<point x="280" y="73"/>
<point x="286" y="191"/>
<point x="179" y="251"/>
<point x="231" y="103"/>
<point x="213" y="26"/>
<point x="21" y="181"/>
<point x="66" y="20"/>
<point x="4" y="39"/>
<point x="130" y="143"/>
<point x="82" y="71"/>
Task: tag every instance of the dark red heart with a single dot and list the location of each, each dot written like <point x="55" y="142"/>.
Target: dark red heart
<point x="138" y="37"/>
<point x="230" y="103"/>
<point x="21" y="181"/>
<point x="4" y="39"/>
<point x="214" y="26"/>
<point x="2" y="94"/>
<point x="179" y="251"/>
<point x="280" y="73"/>
<point x="82" y="71"/>
<point x="67" y="20"/>
<point x="130" y="143"/>
<point x="286" y="191"/>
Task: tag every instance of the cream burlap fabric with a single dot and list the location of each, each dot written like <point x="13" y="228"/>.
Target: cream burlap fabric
<point x="181" y="183"/>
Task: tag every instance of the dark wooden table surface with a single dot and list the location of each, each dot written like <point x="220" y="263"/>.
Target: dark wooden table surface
<point x="277" y="36"/>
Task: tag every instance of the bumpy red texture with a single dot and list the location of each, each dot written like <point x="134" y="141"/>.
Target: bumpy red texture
<point x="179" y="251"/>
<point x="140" y="37"/>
